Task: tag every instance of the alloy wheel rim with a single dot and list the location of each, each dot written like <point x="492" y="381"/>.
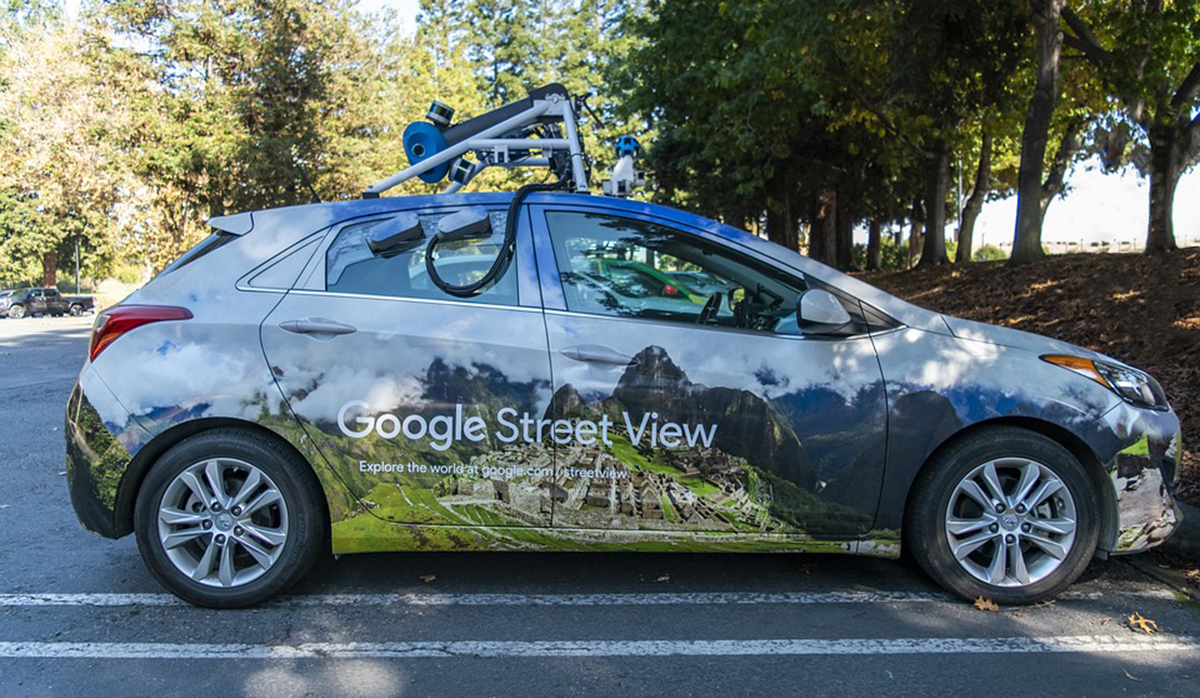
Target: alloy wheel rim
<point x="1011" y="522"/>
<point x="223" y="522"/>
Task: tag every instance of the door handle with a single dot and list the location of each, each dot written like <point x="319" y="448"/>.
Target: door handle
<point x="317" y="326"/>
<point x="597" y="354"/>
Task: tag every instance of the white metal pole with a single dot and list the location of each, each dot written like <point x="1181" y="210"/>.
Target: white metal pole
<point x="568" y="116"/>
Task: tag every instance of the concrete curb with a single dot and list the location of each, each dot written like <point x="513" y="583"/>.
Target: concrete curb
<point x="1185" y="542"/>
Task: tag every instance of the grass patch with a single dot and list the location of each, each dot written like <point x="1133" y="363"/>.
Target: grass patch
<point x="669" y="512"/>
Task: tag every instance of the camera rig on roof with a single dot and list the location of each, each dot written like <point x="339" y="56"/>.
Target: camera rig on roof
<point x="541" y="130"/>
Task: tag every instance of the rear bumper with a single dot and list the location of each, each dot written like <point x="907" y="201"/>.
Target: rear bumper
<point x="100" y="440"/>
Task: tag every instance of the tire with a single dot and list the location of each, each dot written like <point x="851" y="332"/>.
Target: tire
<point x="225" y="557"/>
<point x="16" y="312"/>
<point x="76" y="310"/>
<point x="1033" y="549"/>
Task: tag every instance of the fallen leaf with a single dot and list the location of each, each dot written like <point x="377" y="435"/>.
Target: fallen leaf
<point x="664" y="578"/>
<point x="1105" y="621"/>
<point x="986" y="604"/>
<point x="1018" y="614"/>
<point x="1130" y="676"/>
<point x="1137" y="622"/>
<point x="427" y="578"/>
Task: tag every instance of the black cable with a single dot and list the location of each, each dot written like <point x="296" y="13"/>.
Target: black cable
<point x="503" y="258"/>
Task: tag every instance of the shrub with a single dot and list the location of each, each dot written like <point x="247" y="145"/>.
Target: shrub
<point x="989" y="253"/>
<point x="128" y="274"/>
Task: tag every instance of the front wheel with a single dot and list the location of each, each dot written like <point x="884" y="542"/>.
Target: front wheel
<point x="229" y="518"/>
<point x="1005" y="513"/>
<point x="16" y="312"/>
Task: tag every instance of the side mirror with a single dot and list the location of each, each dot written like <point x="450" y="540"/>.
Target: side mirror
<point x="467" y="224"/>
<point x="820" y="312"/>
<point x="396" y="235"/>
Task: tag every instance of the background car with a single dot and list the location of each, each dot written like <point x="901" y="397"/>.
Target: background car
<point x="286" y="389"/>
<point x="44" y="301"/>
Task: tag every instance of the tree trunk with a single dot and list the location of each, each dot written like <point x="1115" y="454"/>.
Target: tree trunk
<point x="1058" y="169"/>
<point x="781" y="224"/>
<point x="937" y="183"/>
<point x="50" y="269"/>
<point x="1164" y="176"/>
<point x="844" y="230"/>
<point x="874" y="246"/>
<point x="916" y="235"/>
<point x="1027" y="241"/>
<point x="983" y="177"/>
<point x="822" y="239"/>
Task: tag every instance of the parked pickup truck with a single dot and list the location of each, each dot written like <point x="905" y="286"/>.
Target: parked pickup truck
<point x="43" y="301"/>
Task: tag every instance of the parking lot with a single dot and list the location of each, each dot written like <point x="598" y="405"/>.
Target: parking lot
<point x="82" y="615"/>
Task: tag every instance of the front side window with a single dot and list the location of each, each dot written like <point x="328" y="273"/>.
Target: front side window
<point x="351" y="267"/>
<point x="627" y="267"/>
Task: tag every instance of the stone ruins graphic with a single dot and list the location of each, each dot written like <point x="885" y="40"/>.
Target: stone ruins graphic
<point x="754" y="478"/>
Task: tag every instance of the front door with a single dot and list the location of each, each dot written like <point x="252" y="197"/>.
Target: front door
<point x="408" y="393"/>
<point x="698" y="404"/>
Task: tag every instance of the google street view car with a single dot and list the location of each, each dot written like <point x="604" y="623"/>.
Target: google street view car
<point x="552" y="370"/>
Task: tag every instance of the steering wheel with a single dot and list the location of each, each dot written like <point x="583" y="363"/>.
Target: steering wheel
<point x="711" y="307"/>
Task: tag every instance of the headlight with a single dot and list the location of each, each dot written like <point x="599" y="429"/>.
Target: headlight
<point x="1131" y="384"/>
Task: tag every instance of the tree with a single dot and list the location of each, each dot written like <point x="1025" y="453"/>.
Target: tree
<point x="1151" y="62"/>
<point x="983" y="178"/>
<point x="1027" y="243"/>
<point x="60" y="179"/>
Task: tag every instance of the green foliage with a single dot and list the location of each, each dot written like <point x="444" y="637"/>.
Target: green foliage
<point x="167" y="112"/>
<point x="892" y="256"/>
<point x="128" y="274"/>
<point x="989" y="253"/>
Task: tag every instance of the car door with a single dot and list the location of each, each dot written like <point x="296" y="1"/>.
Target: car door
<point x="37" y="302"/>
<point x="405" y="390"/>
<point x="52" y="301"/>
<point x="712" y="411"/>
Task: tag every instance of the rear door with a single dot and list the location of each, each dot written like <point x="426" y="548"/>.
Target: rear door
<point x="412" y="396"/>
<point x="52" y="301"/>
<point x="706" y="410"/>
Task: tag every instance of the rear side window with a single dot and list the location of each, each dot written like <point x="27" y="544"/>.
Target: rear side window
<point x="351" y="267"/>
<point x="206" y="246"/>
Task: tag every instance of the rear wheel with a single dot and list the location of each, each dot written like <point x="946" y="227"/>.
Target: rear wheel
<point x="1005" y="513"/>
<point x="229" y="518"/>
<point x="76" y="310"/>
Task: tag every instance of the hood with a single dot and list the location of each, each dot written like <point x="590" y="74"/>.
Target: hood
<point x="1017" y="339"/>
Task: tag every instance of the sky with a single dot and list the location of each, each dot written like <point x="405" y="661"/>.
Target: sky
<point x="1097" y="207"/>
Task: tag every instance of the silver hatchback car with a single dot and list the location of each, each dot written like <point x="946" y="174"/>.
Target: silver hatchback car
<point x="305" y="380"/>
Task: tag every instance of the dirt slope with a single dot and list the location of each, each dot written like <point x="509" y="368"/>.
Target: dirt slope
<point x="1142" y="310"/>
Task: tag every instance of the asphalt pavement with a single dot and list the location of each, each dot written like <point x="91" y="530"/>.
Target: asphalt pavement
<point x="81" y="616"/>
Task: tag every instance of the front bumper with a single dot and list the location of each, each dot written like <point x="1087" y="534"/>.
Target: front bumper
<point x="100" y="440"/>
<point x="1146" y="448"/>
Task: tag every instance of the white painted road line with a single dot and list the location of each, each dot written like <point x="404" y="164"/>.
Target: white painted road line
<point x="1094" y="644"/>
<point x="484" y="599"/>
<point x="433" y="599"/>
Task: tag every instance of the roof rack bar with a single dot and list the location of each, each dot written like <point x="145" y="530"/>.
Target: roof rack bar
<point x="539" y="108"/>
<point x="577" y="169"/>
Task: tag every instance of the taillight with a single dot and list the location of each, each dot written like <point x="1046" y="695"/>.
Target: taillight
<point x="119" y="319"/>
